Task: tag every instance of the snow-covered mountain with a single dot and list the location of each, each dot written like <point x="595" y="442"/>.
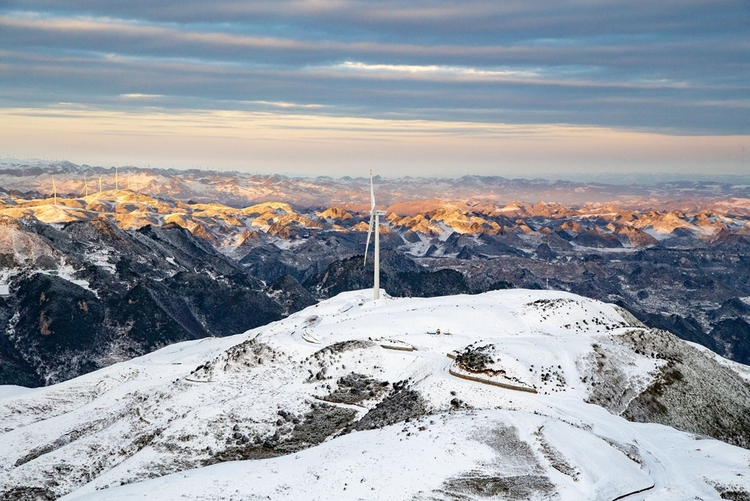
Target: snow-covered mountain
<point x="513" y="394"/>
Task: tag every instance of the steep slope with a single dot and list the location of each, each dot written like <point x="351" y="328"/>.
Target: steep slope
<point x="399" y="274"/>
<point x="88" y="294"/>
<point x="513" y="394"/>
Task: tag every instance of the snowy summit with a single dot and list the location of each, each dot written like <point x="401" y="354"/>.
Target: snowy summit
<point x="513" y="394"/>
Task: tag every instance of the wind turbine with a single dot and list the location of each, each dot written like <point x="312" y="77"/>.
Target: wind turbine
<point x="374" y="218"/>
<point x="85" y="185"/>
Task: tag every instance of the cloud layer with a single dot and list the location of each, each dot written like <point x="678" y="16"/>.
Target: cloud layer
<point x="667" y="69"/>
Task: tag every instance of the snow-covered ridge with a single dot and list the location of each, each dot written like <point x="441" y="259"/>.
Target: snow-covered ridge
<point x="320" y="406"/>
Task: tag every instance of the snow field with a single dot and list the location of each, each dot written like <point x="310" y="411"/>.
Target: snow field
<point x="171" y="412"/>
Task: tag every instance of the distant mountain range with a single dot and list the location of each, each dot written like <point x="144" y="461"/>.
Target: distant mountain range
<point x="92" y="280"/>
<point x="241" y="189"/>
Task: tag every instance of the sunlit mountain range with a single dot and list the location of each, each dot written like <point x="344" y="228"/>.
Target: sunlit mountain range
<point x="176" y="244"/>
<point x="229" y="208"/>
<point x="243" y="189"/>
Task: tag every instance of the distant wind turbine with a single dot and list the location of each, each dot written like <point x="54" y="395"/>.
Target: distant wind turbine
<point x="100" y="184"/>
<point x="85" y="185"/>
<point x="374" y="218"/>
<point x="117" y="182"/>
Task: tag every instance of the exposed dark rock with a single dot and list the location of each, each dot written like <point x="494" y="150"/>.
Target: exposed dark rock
<point x="165" y="285"/>
<point x="28" y="494"/>
<point x="686" y="393"/>
<point x="342" y="346"/>
<point x="288" y="292"/>
<point x="475" y="359"/>
<point x="399" y="276"/>
<point x="732" y="492"/>
<point x="401" y="405"/>
<point x="320" y="423"/>
<point x="412" y="237"/>
<point x="594" y="239"/>
<point x="686" y="328"/>
<point x="735" y="333"/>
<point x="494" y="481"/>
<point x="544" y="252"/>
<point x="355" y="388"/>
<point x="465" y="253"/>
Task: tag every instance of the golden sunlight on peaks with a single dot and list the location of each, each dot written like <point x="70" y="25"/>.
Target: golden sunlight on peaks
<point x="286" y="220"/>
<point x="231" y="220"/>
<point x="15" y="241"/>
<point x="361" y="226"/>
<point x="267" y="206"/>
<point x="418" y="224"/>
<point x="57" y="214"/>
<point x="665" y="223"/>
<point x="335" y="213"/>
<point x="134" y="221"/>
<point x="413" y="207"/>
<point x="178" y="219"/>
<point x="17" y="212"/>
<point x="461" y="223"/>
<point x="264" y="220"/>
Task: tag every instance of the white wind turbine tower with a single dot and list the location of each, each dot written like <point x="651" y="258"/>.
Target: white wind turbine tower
<point x="374" y="218"/>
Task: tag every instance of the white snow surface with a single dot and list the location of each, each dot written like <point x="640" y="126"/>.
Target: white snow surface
<point x="168" y="413"/>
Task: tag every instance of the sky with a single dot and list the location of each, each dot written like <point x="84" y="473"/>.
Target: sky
<point x="418" y="87"/>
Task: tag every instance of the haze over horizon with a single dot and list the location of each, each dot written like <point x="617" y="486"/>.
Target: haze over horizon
<point x="429" y="88"/>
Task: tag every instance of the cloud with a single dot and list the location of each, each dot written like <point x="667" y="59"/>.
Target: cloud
<point x="304" y="144"/>
<point x="549" y="76"/>
<point x="304" y="45"/>
<point x="281" y="104"/>
<point x="140" y="96"/>
<point x="580" y="17"/>
<point x="455" y="71"/>
<point x="670" y="67"/>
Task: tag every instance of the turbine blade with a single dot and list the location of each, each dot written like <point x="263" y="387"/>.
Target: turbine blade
<point x="372" y="194"/>
<point x="369" y="233"/>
